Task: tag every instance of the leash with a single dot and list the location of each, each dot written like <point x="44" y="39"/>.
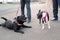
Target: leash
<point x="14" y="20"/>
<point x="17" y="10"/>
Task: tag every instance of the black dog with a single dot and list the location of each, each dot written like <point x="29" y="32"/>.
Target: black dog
<point x="17" y="25"/>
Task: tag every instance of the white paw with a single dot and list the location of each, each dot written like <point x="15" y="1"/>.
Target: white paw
<point x="49" y="27"/>
<point x="42" y="27"/>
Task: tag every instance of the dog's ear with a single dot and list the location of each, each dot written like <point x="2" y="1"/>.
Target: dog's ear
<point x="38" y="14"/>
<point x="40" y="10"/>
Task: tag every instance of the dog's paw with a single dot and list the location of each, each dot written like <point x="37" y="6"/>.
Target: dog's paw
<point x="29" y="27"/>
<point x="19" y="31"/>
<point x="48" y="27"/>
<point x="42" y="27"/>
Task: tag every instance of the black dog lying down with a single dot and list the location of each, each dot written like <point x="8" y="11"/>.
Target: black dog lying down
<point x="17" y="25"/>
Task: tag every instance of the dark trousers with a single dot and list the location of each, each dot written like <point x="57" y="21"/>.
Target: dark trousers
<point x="55" y="9"/>
<point x="27" y="2"/>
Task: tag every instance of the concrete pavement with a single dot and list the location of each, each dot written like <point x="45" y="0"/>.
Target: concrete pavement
<point x="35" y="33"/>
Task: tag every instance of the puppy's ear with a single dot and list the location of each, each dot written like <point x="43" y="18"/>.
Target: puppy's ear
<point x="40" y="10"/>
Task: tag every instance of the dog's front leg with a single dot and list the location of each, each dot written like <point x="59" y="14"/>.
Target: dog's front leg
<point x="48" y="24"/>
<point x="39" y="20"/>
<point x="42" y="23"/>
<point x="24" y="26"/>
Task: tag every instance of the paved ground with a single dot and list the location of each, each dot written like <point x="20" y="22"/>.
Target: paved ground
<point x="35" y="33"/>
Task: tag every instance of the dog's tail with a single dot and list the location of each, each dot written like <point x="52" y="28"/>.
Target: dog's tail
<point x="4" y="18"/>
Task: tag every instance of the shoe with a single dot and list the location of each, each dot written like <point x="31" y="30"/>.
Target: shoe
<point x="28" y="20"/>
<point x="54" y="20"/>
<point x="0" y="24"/>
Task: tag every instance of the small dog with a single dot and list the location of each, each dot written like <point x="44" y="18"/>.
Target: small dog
<point x="43" y="17"/>
<point x="16" y="25"/>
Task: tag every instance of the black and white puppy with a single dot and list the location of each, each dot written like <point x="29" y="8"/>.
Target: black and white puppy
<point x="43" y="17"/>
<point x="16" y="25"/>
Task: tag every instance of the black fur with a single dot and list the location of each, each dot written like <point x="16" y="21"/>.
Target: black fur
<point x="39" y="16"/>
<point x="13" y="25"/>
